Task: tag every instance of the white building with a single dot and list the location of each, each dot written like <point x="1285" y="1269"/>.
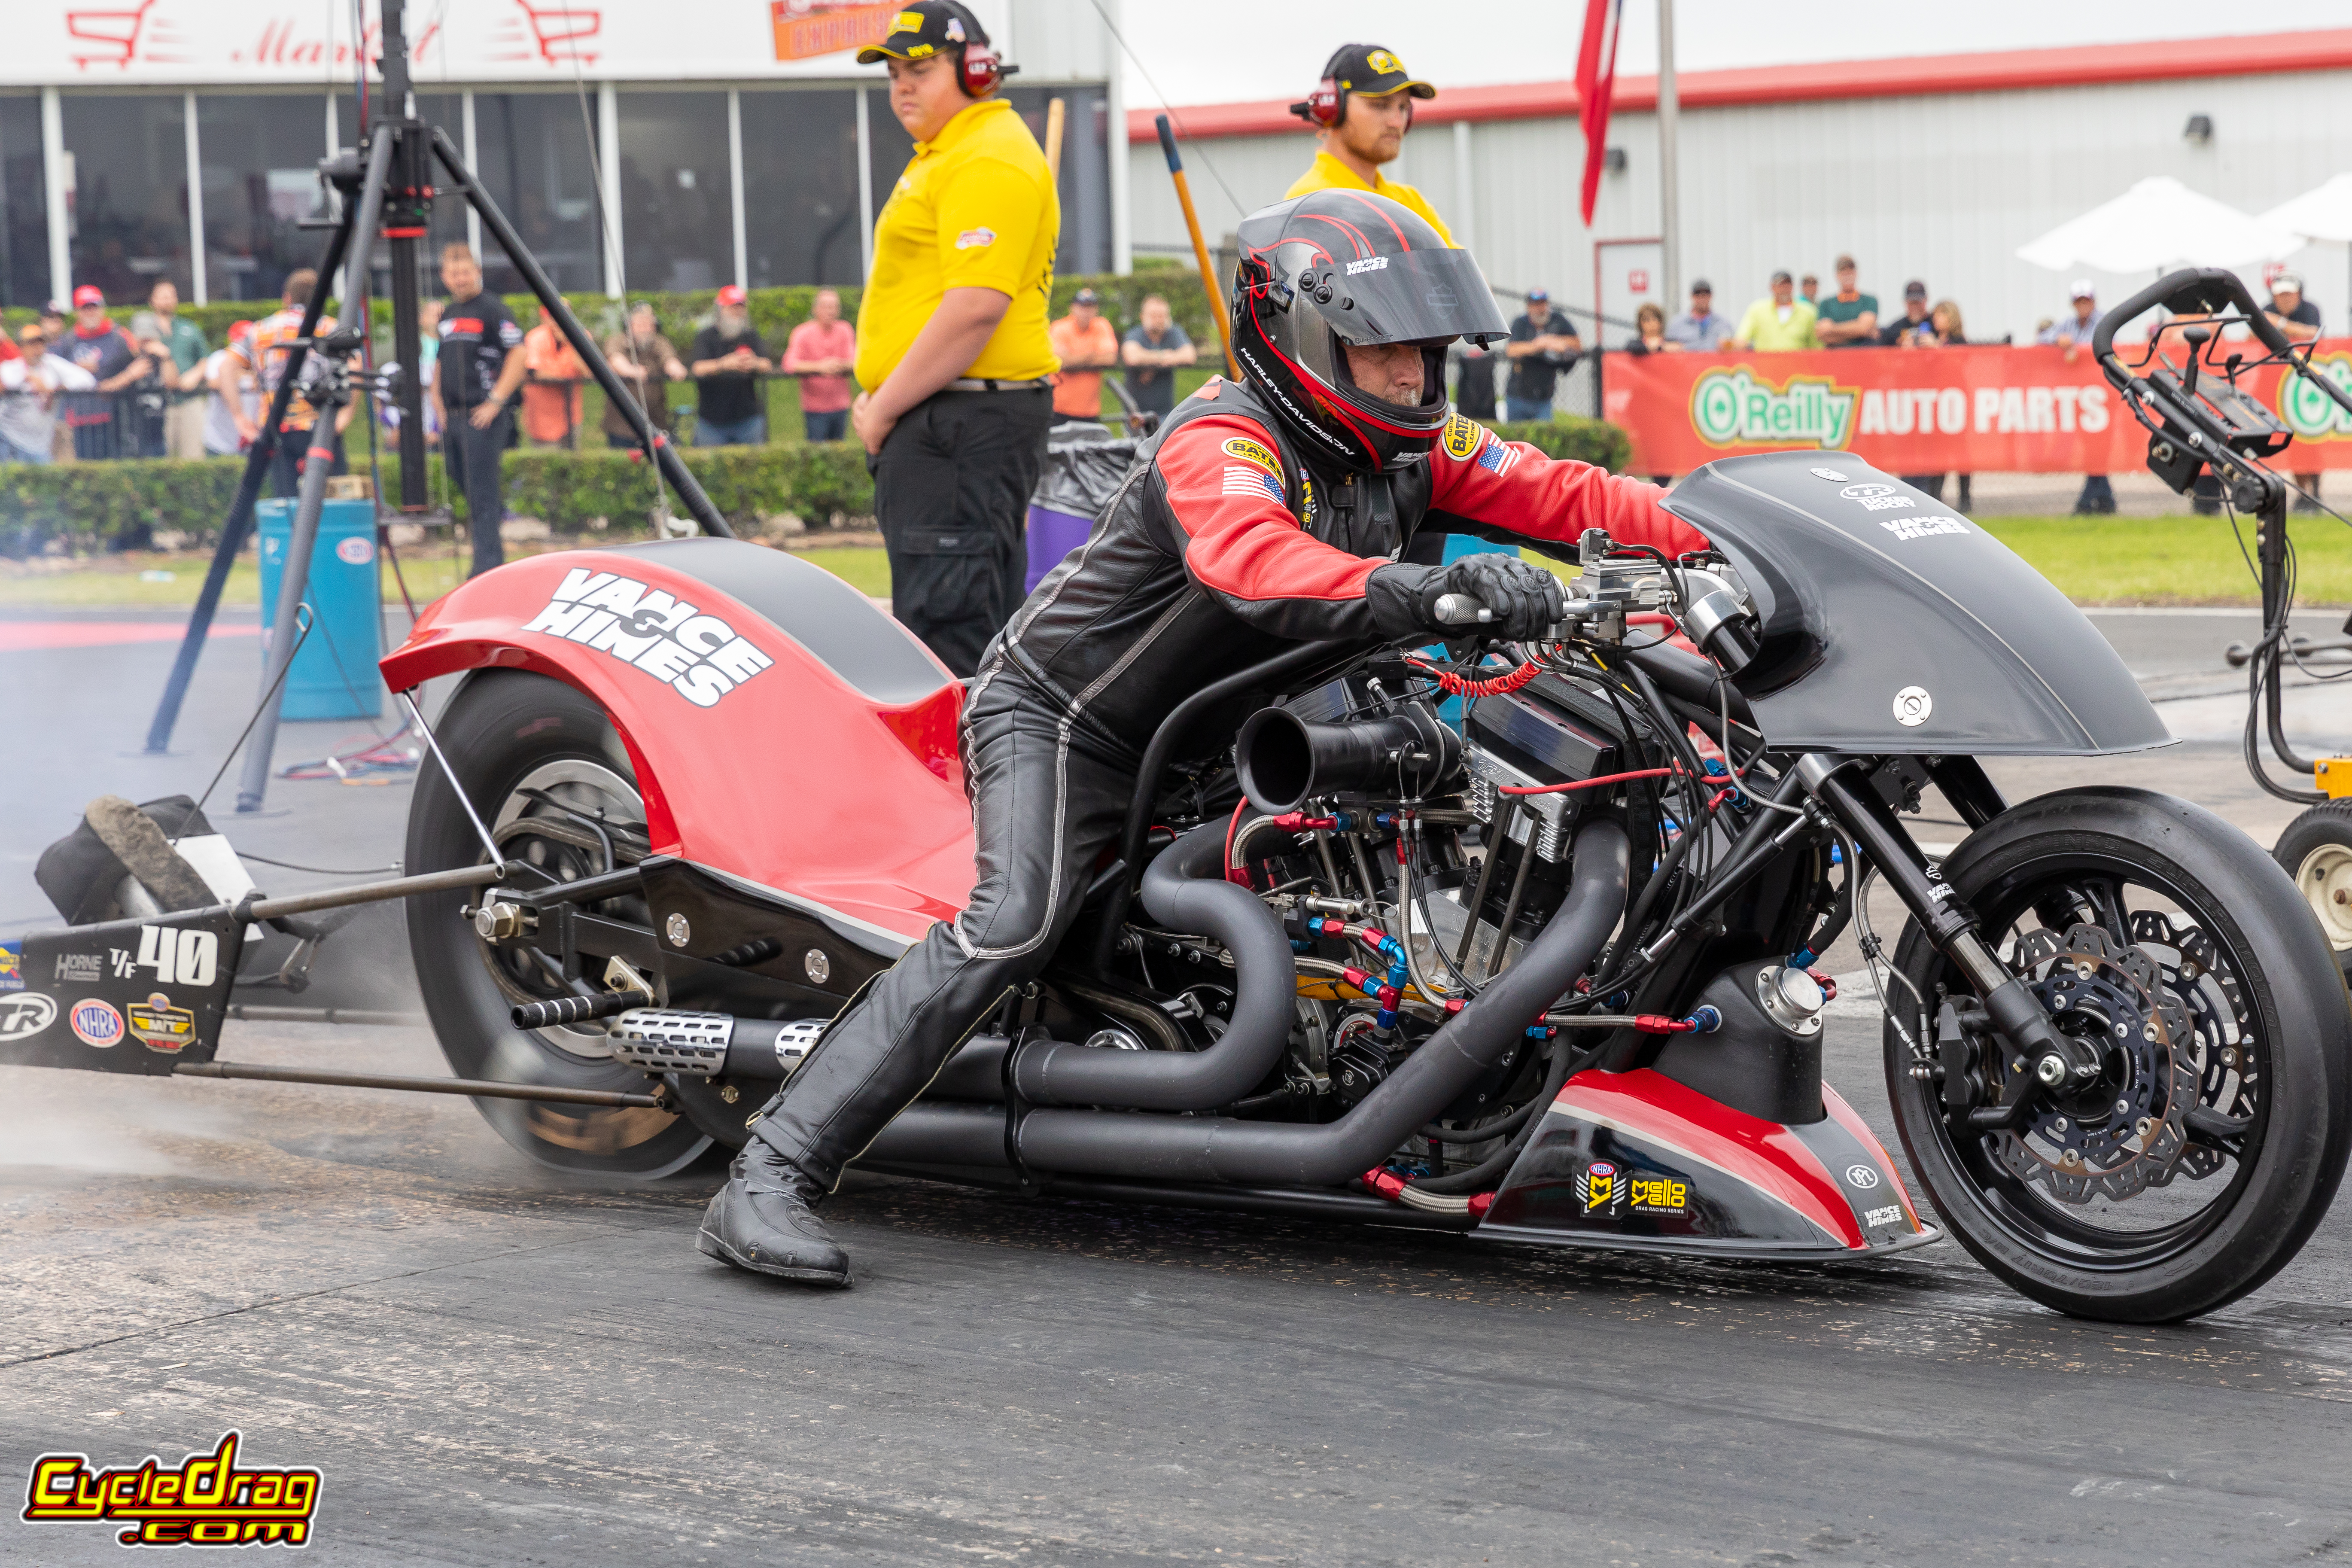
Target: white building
<point x="638" y="143"/>
<point x="1935" y="168"/>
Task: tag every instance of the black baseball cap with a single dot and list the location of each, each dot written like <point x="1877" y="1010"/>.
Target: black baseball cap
<point x="1085" y="297"/>
<point x="923" y="28"/>
<point x="1367" y="71"/>
<point x="1915" y="290"/>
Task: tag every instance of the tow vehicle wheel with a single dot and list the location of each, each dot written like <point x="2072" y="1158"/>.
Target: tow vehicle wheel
<point x="2209" y="1148"/>
<point x="2317" y="851"/>
<point x="545" y="769"/>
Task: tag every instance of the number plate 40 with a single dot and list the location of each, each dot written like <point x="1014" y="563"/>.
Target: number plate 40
<point x="178" y="957"/>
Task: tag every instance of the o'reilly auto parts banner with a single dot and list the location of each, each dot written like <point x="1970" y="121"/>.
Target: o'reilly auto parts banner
<point x="1920" y="411"/>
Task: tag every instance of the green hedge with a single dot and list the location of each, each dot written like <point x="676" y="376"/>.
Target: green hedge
<point x="102" y="506"/>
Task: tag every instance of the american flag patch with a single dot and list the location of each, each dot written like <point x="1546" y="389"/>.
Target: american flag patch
<point x="1254" y="483"/>
<point x="1498" y="455"/>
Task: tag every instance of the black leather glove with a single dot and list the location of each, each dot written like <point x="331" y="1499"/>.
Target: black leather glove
<point x="1525" y="597"/>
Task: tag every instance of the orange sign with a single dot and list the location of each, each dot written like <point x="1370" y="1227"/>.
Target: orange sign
<point x="1992" y="409"/>
<point x="804" y="29"/>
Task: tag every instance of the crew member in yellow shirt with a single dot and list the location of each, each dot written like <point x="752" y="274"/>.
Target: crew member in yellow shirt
<point x="951" y="344"/>
<point x="1360" y="112"/>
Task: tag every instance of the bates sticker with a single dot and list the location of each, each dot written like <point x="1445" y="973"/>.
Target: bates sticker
<point x="159" y="1025"/>
<point x="697" y="656"/>
<point x="21" y="1017"/>
<point x="96" y="1023"/>
<point x="12" y="966"/>
<point x="1250" y="451"/>
<point x="1463" y="438"/>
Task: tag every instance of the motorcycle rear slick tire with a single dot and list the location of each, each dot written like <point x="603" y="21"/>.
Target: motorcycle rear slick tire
<point x="2292" y="988"/>
<point x="501" y="728"/>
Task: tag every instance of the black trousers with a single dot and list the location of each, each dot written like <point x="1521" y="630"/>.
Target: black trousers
<point x="1044" y="808"/>
<point x="292" y="454"/>
<point x="472" y="459"/>
<point x="951" y="492"/>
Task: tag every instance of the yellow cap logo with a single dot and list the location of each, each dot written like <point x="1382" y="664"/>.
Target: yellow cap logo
<point x="906" y="22"/>
<point x="1384" y="63"/>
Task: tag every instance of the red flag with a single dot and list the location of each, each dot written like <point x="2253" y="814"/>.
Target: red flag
<point x="1596" y="82"/>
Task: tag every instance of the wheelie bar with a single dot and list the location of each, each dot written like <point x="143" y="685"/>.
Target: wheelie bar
<point x="2054" y="1060"/>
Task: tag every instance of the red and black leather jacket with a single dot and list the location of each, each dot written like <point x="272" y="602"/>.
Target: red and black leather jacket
<point x="1221" y="547"/>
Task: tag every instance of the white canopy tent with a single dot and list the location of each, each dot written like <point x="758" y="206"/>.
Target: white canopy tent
<point x="2323" y="212"/>
<point x="2156" y="224"/>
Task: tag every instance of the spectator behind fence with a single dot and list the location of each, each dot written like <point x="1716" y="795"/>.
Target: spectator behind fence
<point x="1154" y="350"/>
<point x="1650" y="333"/>
<point x="1780" y="323"/>
<point x="1087" y="345"/>
<point x="115" y="364"/>
<point x="1474" y="379"/>
<point x="822" y="350"/>
<point x="32" y="380"/>
<point x="647" y="363"/>
<point x="264" y="352"/>
<point x="1849" y="318"/>
<point x="554" y="395"/>
<point x="178" y="348"/>
<point x="729" y="405"/>
<point x="1808" y="290"/>
<point x="232" y="404"/>
<point x="474" y="384"/>
<point x="2298" y="318"/>
<point x="1699" y="328"/>
<point x="1913" y="324"/>
<point x="2072" y="333"/>
<point x="1540" y="348"/>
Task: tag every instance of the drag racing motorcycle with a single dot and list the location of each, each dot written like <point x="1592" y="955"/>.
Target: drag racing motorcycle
<point x="1552" y="977"/>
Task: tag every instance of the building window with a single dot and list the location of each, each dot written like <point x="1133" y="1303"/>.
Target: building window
<point x="800" y="188"/>
<point x="23" y="206"/>
<point x="677" y="225"/>
<point x="446" y="111"/>
<point x="260" y="158"/>
<point x="532" y="150"/>
<point x="128" y="199"/>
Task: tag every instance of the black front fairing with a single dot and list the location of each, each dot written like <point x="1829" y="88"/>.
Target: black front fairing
<point x="1872" y="593"/>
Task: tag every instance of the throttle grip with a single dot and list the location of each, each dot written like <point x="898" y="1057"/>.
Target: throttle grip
<point x="576" y="1010"/>
<point x="1461" y="610"/>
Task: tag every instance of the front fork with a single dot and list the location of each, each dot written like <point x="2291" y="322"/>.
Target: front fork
<point x="2047" y="1060"/>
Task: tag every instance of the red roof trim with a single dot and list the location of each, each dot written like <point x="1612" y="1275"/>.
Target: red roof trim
<point x="2007" y="71"/>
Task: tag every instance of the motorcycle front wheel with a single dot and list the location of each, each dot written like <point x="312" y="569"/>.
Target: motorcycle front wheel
<point x="2200" y="1161"/>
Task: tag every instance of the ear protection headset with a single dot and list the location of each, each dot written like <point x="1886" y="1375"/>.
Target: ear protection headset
<point x="1325" y="107"/>
<point x="982" y="70"/>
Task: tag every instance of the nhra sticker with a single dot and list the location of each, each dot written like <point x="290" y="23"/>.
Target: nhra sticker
<point x="1921" y="527"/>
<point x="697" y="656"/>
<point x="1600" y="1188"/>
<point x="1462" y="439"/>
<point x="159" y="1025"/>
<point x="12" y="966"/>
<point x="975" y="239"/>
<point x="96" y="1023"/>
<point x="21" y="1017"/>
<point x="1877" y="498"/>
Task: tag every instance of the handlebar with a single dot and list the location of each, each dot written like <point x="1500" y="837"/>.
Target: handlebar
<point x="1462" y="610"/>
<point x="2192" y="288"/>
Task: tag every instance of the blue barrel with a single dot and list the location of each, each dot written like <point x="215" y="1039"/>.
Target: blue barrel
<point x="334" y="676"/>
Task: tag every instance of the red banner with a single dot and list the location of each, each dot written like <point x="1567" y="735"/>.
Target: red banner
<point x="1986" y="410"/>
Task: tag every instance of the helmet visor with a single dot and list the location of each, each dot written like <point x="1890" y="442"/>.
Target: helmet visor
<point x="1411" y="296"/>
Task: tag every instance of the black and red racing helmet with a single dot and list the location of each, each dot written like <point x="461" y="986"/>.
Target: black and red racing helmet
<point x="1335" y="268"/>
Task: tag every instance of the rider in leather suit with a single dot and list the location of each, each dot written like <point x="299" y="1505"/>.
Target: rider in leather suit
<point x="1260" y="514"/>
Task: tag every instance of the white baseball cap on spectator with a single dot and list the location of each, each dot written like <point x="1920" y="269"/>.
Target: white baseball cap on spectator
<point x="2288" y="283"/>
<point x="2082" y="290"/>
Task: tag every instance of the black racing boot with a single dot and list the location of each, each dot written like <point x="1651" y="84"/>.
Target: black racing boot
<point x="761" y="1221"/>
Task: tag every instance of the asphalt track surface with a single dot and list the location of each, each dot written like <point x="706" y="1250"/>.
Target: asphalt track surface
<point x="493" y="1364"/>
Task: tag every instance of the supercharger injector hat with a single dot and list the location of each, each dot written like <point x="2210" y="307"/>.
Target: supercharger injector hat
<point x="1334" y="269"/>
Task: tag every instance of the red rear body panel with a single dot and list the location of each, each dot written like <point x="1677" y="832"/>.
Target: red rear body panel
<point x="755" y="755"/>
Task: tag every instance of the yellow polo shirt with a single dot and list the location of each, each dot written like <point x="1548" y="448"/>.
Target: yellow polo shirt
<point x="975" y="209"/>
<point x="1327" y="174"/>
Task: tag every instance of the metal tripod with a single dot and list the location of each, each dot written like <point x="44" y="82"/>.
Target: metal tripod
<point x="387" y="192"/>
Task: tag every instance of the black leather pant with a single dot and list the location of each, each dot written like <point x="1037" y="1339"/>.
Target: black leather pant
<point x="1043" y="810"/>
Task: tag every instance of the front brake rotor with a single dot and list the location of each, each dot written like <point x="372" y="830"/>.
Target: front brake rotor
<point x="2125" y="1133"/>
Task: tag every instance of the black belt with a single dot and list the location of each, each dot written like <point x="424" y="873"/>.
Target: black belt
<point x="989" y="383"/>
